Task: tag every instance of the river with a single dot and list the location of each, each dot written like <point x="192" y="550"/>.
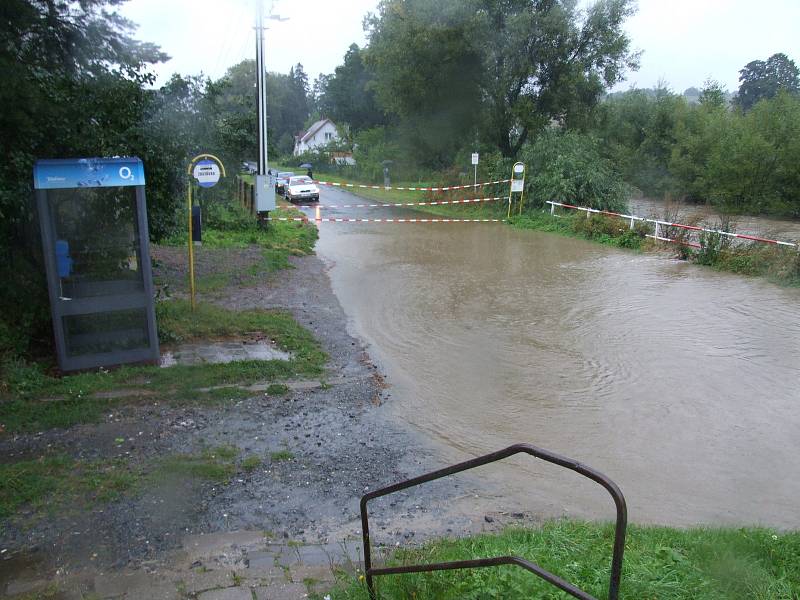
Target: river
<point x="680" y="383"/>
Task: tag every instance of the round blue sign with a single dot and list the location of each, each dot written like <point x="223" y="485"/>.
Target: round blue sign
<point x="206" y="172"/>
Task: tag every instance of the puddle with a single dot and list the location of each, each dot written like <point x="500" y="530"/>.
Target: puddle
<point x="221" y="352"/>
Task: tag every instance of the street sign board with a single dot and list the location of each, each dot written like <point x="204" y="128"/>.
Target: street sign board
<point x="474" y="158"/>
<point x="517" y="185"/>
<point x="206" y="172"/>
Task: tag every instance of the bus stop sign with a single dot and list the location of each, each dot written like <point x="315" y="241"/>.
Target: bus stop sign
<point x="206" y="172"/>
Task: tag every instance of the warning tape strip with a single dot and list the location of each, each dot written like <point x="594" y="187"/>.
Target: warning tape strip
<point x="393" y="204"/>
<point x="355" y="220"/>
<point x="658" y="222"/>
<point x="413" y="189"/>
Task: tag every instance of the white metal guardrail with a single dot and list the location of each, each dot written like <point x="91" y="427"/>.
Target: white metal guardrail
<point x="658" y="224"/>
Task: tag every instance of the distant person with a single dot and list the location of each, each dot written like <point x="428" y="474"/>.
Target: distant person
<point x="310" y="174"/>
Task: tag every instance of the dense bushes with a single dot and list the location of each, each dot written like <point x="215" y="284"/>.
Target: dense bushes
<point x="706" y="152"/>
<point x="568" y="167"/>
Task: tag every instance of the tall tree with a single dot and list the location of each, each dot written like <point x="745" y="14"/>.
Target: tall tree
<point x="347" y="96"/>
<point x="72" y="84"/>
<point x="507" y="68"/>
<point x="764" y="79"/>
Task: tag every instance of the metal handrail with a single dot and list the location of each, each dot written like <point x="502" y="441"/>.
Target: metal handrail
<point x="568" y="463"/>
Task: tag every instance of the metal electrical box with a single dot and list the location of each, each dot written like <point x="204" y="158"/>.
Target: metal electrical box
<point x="265" y="194"/>
<point x="93" y="220"/>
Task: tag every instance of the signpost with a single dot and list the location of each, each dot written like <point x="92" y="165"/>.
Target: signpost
<point x="206" y="170"/>
<point x="517" y="185"/>
<point x="475" y="164"/>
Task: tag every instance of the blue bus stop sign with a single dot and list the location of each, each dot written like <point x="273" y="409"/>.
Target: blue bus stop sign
<point x="206" y="172"/>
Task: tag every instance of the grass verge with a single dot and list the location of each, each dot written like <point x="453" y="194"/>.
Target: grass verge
<point x="57" y="482"/>
<point x="229" y="228"/>
<point x="660" y="562"/>
<point x="30" y="482"/>
<point x="33" y="400"/>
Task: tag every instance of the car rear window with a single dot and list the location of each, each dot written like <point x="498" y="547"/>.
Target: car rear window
<point x="299" y="180"/>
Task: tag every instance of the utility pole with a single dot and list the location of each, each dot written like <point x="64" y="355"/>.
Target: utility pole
<point x="264" y="191"/>
<point x="262" y="90"/>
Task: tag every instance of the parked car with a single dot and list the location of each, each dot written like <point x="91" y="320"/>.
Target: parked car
<point x="281" y="180"/>
<point x="302" y="188"/>
<point x="249" y="167"/>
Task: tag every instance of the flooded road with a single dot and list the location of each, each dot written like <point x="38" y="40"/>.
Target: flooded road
<point x="680" y="383"/>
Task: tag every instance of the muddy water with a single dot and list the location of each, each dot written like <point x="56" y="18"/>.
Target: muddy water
<point x="680" y="383"/>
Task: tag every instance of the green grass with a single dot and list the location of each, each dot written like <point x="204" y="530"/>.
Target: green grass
<point x="34" y="400"/>
<point x="251" y="463"/>
<point x="59" y="482"/>
<point x="281" y="456"/>
<point x="216" y="465"/>
<point x="229" y="227"/>
<point x="660" y="562"/>
<point x="66" y="481"/>
<point x="241" y="230"/>
<point x="277" y="389"/>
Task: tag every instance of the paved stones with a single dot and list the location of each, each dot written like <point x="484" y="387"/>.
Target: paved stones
<point x="236" y="593"/>
<point x="281" y="591"/>
<point x="199" y="582"/>
<point x="115" y="585"/>
<point x="274" y="572"/>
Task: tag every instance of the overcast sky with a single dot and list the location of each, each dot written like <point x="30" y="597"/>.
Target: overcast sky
<point x="684" y="42"/>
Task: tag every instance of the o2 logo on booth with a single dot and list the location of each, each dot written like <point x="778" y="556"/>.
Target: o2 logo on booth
<point x="125" y="173"/>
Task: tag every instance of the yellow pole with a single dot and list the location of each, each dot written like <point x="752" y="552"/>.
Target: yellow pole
<point x="510" y="187"/>
<point x="189" y="203"/>
<point x="191" y="246"/>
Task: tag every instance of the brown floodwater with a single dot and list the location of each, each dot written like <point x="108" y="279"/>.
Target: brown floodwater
<point x="680" y="383"/>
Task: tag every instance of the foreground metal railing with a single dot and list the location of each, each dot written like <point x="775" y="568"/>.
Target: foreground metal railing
<point x="568" y="463"/>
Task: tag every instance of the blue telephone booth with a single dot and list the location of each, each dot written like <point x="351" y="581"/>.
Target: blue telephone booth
<point x="93" y="220"/>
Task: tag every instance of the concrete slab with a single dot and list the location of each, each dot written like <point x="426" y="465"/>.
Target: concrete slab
<point x="117" y="584"/>
<point x="304" y="573"/>
<point x="198" y="547"/>
<point x="208" y="580"/>
<point x="222" y="352"/>
<point x="155" y="591"/>
<point x="237" y="593"/>
<point x="282" y="591"/>
<point x="255" y="577"/>
<point x="261" y="559"/>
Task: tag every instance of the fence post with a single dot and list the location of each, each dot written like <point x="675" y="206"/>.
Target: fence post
<point x="552" y="209"/>
<point x="631" y="227"/>
<point x="656" y="231"/>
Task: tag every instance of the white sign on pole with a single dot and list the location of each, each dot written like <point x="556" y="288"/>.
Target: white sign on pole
<point x="517" y="185"/>
<point x="206" y="172"/>
<point x="474" y="158"/>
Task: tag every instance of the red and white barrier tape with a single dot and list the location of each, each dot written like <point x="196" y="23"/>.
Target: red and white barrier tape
<point x="660" y="223"/>
<point x="393" y="204"/>
<point x="413" y="189"/>
<point x="355" y="220"/>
